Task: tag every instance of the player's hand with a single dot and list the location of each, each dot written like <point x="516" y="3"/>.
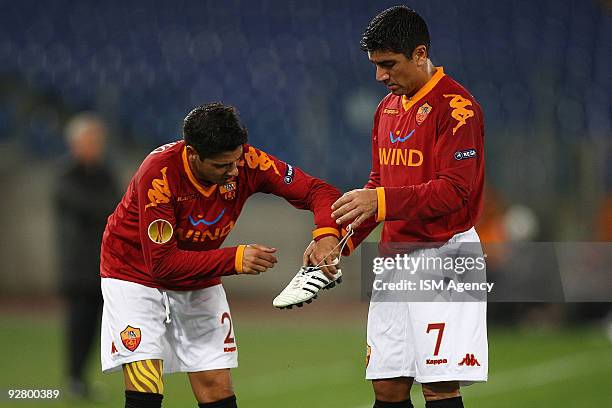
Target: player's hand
<point x="355" y="207"/>
<point x="323" y="251"/>
<point x="257" y="259"/>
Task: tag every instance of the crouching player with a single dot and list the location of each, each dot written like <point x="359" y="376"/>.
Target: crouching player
<point x="164" y="307"/>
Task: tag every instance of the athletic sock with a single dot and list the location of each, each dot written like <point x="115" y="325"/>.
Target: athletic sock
<point x="135" y="399"/>
<point x="229" y="402"/>
<point x="455" y="402"/>
<point x="401" y="404"/>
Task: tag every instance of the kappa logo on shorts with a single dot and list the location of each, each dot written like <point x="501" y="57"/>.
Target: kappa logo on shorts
<point x="436" y="361"/>
<point x="113" y="348"/>
<point x="160" y="231"/>
<point x="130" y="337"/>
<point x="470" y="361"/>
<point x="368" y="354"/>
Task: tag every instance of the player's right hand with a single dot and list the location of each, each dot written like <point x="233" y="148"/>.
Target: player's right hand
<point x="257" y="259"/>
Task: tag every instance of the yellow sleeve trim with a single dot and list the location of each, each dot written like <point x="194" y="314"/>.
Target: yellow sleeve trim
<point x="325" y="231"/>
<point x="239" y="256"/>
<point x="382" y="208"/>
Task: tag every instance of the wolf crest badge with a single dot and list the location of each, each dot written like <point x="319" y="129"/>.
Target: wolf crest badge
<point x="423" y="112"/>
<point x="130" y="337"/>
<point x="228" y="191"/>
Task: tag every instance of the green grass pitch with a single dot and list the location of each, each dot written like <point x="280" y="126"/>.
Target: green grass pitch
<point x="288" y="364"/>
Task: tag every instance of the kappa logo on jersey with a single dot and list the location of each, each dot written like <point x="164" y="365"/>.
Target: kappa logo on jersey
<point x="196" y="235"/>
<point x="228" y="190"/>
<point x="289" y="174"/>
<point x="201" y="219"/>
<point x="436" y="361"/>
<point x="460" y="111"/>
<point x="393" y="157"/>
<point x="159" y="193"/>
<point x="465" y="154"/>
<point x="160" y="231"/>
<point x="188" y="197"/>
<point x="423" y="112"/>
<point x="470" y="361"/>
<point x="389" y="111"/>
<point x="130" y="337"/>
<point x="261" y="160"/>
<point x="399" y="138"/>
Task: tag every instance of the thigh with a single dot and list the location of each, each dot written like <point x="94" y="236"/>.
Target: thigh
<point x="201" y="334"/>
<point x="389" y="338"/>
<point x="132" y="324"/>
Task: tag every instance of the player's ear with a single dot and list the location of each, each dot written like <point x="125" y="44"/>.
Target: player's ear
<point x="191" y="153"/>
<point x="420" y="55"/>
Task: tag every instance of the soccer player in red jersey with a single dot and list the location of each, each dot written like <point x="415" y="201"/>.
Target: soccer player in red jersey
<point x="161" y="261"/>
<point x="426" y="185"/>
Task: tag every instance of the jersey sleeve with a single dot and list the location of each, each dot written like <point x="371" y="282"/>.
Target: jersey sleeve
<point x="273" y="176"/>
<point x="157" y="223"/>
<point x="457" y="154"/>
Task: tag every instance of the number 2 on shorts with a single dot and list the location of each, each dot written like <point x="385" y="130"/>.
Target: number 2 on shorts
<point x="229" y="339"/>
<point x="440" y="328"/>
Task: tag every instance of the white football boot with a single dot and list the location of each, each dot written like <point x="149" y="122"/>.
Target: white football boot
<point x="304" y="287"/>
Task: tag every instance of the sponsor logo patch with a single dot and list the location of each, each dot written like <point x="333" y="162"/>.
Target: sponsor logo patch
<point x="399" y="138"/>
<point x="436" y="361"/>
<point x="423" y="112"/>
<point x="159" y="193"/>
<point x="465" y="154"/>
<point x="228" y="190"/>
<point x="201" y="219"/>
<point x="470" y="361"/>
<point x="289" y="174"/>
<point x="388" y="111"/>
<point x="130" y="337"/>
<point x="460" y="111"/>
<point x="160" y="231"/>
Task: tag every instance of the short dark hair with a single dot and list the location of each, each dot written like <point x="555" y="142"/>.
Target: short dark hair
<point x="214" y="128"/>
<point x="397" y="29"/>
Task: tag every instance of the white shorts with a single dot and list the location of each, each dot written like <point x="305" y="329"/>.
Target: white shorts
<point x="198" y="337"/>
<point x="429" y="341"/>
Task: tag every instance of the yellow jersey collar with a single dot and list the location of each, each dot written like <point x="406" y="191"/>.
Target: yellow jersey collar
<point x="206" y="191"/>
<point x="408" y="103"/>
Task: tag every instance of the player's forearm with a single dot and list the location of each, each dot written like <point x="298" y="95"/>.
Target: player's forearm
<point x="175" y="264"/>
<point x="321" y="196"/>
<point x="428" y="200"/>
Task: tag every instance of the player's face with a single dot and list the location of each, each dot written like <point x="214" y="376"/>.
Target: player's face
<point x="401" y="75"/>
<point x="219" y="169"/>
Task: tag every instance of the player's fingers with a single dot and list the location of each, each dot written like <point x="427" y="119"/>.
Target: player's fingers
<point x="346" y="197"/>
<point x="258" y="268"/>
<point x="307" y="253"/>
<point x="266" y="257"/>
<point x="350" y="216"/>
<point x="358" y="221"/>
<point x="343" y="209"/>
<point x="262" y="262"/>
<point x="264" y="248"/>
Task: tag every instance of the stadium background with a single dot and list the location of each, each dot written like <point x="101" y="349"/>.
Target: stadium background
<point x="541" y="71"/>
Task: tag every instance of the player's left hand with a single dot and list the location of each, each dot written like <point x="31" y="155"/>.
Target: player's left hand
<point x="323" y="251"/>
<point x="355" y="206"/>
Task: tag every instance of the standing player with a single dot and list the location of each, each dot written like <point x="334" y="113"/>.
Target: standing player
<point x="426" y="184"/>
<point x="164" y="307"/>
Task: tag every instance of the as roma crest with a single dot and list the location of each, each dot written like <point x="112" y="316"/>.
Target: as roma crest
<point x="228" y="191"/>
<point x="423" y="112"/>
<point x="130" y="337"/>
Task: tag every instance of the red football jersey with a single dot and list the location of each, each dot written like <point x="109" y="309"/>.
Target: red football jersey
<point x="427" y="163"/>
<point x="168" y="229"/>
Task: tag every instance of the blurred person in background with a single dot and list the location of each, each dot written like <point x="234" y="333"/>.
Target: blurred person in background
<point x="85" y="194"/>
